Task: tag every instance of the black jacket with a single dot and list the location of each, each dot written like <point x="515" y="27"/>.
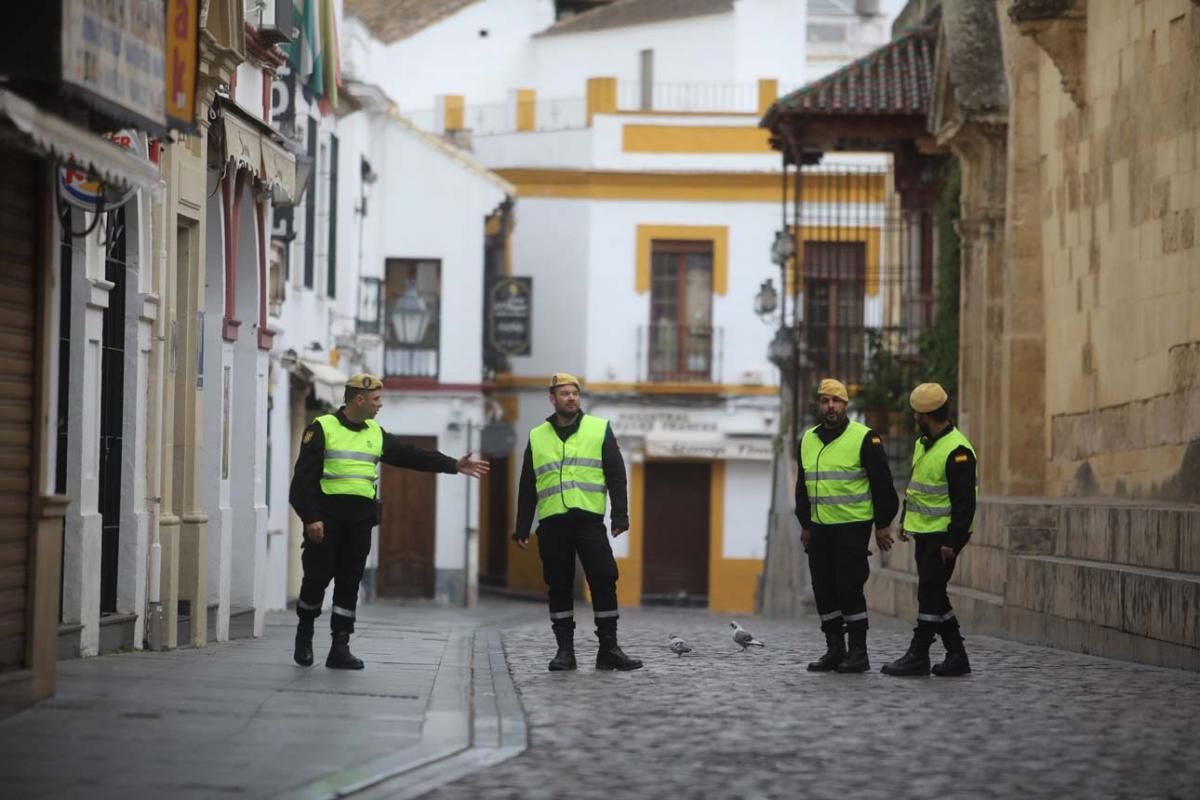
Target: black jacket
<point x="313" y="505"/>
<point x="614" y="480"/>
<point x="960" y="480"/>
<point x="884" y="501"/>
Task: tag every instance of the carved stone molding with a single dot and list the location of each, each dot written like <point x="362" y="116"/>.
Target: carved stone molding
<point x="1060" y="28"/>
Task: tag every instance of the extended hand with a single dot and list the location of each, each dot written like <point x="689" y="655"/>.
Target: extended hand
<point x="315" y="531"/>
<point x="883" y="538"/>
<point x="805" y="536"/>
<point x="472" y="467"/>
<point x="904" y="537"/>
<point x="947" y="554"/>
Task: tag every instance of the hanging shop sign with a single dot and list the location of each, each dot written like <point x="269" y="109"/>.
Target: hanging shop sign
<point x="510" y="315"/>
<point x="183" y="63"/>
<point x="81" y="189"/>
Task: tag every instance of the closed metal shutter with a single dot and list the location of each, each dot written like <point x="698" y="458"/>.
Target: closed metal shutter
<point x="18" y="252"/>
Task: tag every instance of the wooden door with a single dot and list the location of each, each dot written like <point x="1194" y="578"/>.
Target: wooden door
<point x="494" y="567"/>
<point x="18" y="252"/>
<point x="676" y="533"/>
<point x="407" y="528"/>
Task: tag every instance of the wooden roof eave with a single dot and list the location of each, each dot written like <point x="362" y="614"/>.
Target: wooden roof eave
<point x="825" y="132"/>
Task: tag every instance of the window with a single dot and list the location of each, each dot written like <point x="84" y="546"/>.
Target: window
<point x="680" y="333"/>
<point x="834" y="288"/>
<point x="331" y="220"/>
<point x="646" y="79"/>
<point x="413" y="324"/>
<point x="278" y="278"/>
<point x="310" y="216"/>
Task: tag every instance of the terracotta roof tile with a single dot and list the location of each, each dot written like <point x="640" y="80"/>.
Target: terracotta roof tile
<point x="636" y="12"/>
<point x="393" y="20"/>
<point x="894" y="79"/>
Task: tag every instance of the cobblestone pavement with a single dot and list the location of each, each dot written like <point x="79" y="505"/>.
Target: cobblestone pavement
<point x="1029" y="722"/>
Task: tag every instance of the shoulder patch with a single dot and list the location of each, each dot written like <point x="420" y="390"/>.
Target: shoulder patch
<point x="307" y="437"/>
<point x="876" y="440"/>
<point x="961" y="458"/>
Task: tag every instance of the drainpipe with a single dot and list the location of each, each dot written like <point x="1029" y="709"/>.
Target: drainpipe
<point x="155" y="618"/>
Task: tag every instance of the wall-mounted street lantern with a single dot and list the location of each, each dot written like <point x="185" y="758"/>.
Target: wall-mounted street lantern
<point x="410" y="317"/>
<point x="767" y="299"/>
<point x="783" y="248"/>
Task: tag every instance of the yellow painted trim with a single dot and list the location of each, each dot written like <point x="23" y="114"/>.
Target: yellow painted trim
<point x="843" y="233"/>
<point x="454" y="111"/>
<point x="540" y="383"/>
<point x="601" y="97"/>
<point x="768" y="93"/>
<point x="717" y="234"/>
<point x="705" y="139"/>
<point x="723" y="187"/>
<point x="523" y="568"/>
<point x="732" y="582"/>
<point x="526" y="110"/>
<point x="629" y="585"/>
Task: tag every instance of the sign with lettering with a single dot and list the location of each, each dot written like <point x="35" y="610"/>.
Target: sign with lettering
<point x="510" y="315"/>
<point x="714" y="447"/>
<point x="183" y="59"/>
<point x="83" y="191"/>
<point x="113" y="54"/>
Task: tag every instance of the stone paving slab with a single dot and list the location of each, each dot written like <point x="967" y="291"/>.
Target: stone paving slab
<point x="1029" y="722"/>
<point x="240" y="719"/>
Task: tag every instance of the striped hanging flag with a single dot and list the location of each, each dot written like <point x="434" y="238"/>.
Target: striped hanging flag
<point x="330" y="57"/>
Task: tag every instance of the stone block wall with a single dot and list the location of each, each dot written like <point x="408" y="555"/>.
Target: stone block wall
<point x="1109" y="578"/>
<point x="1120" y="193"/>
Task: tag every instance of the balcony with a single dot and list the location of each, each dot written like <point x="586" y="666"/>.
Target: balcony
<point x="673" y="353"/>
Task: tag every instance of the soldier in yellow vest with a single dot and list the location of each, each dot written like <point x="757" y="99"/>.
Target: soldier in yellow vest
<point x="334" y="493"/>
<point x="939" y="514"/>
<point x="845" y="488"/>
<point x="571" y="463"/>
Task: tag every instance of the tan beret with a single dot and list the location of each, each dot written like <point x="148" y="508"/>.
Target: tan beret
<point x="833" y="388"/>
<point x="562" y="379"/>
<point x="927" y="397"/>
<point x="364" y="380"/>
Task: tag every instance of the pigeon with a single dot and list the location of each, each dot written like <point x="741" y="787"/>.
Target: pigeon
<point x="679" y="646"/>
<point x="743" y="637"/>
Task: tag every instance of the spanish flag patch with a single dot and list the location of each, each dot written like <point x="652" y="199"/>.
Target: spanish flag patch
<point x="961" y="458"/>
<point x="307" y="437"/>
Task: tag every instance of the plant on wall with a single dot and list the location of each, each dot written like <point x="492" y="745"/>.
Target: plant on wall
<point x="939" y="345"/>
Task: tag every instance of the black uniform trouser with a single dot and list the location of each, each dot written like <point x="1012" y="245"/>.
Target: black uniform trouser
<point x="935" y="615"/>
<point x="558" y="543"/>
<point x="341" y="557"/>
<point x="837" y="562"/>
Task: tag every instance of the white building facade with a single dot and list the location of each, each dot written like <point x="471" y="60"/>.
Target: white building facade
<point x="648" y="203"/>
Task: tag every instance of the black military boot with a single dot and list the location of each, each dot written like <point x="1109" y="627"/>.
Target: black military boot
<point x="340" y="656"/>
<point x="564" y="659"/>
<point x="610" y="655"/>
<point x="856" y="658"/>
<point x="956" y="662"/>
<point x="916" y="660"/>
<point x="304" y="635"/>
<point x="835" y="652"/>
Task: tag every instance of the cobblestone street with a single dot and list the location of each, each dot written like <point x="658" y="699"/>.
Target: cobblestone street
<point x="1029" y="722"/>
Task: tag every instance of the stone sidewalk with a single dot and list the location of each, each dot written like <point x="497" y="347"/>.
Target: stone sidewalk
<point x="240" y="719"/>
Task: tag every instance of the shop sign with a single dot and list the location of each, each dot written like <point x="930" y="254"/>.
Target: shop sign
<point x="80" y="189"/>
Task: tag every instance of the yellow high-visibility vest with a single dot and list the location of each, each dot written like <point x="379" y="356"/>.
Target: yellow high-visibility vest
<point x="351" y="457"/>
<point x="569" y="474"/>
<point x="838" y="489"/>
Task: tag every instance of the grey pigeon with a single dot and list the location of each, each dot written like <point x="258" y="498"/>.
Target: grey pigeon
<point x="679" y="646"/>
<point x="742" y="637"/>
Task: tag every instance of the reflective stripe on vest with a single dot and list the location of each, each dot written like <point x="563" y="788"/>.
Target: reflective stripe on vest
<point x="351" y="457"/>
<point x="838" y="489"/>
<point x="927" y="499"/>
<point x="569" y="474"/>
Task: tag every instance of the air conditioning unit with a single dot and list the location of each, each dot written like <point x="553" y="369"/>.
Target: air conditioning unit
<point x="272" y="19"/>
